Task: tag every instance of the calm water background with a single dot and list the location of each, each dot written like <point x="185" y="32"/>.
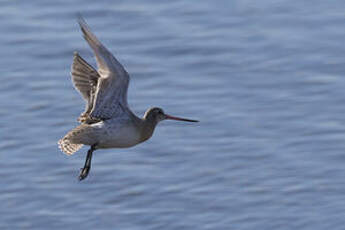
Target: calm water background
<point x="266" y="79"/>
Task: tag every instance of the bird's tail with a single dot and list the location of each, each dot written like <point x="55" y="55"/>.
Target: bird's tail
<point x="67" y="147"/>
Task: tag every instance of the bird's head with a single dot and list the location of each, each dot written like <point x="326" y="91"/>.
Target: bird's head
<point x="157" y="114"/>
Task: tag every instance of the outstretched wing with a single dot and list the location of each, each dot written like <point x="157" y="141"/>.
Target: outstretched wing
<point x="84" y="78"/>
<point x="111" y="91"/>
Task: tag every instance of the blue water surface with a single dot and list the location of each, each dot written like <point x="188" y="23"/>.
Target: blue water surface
<point x="265" y="78"/>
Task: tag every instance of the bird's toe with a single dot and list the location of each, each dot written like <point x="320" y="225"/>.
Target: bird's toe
<point x="84" y="172"/>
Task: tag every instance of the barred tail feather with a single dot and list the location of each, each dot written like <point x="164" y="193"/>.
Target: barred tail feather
<point x="67" y="147"/>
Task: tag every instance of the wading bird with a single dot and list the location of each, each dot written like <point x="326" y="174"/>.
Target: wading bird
<point x="107" y="121"/>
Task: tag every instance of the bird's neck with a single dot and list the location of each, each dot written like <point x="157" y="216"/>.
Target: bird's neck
<point x="147" y="129"/>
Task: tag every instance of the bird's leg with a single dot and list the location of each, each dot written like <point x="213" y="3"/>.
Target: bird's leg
<point x="85" y="171"/>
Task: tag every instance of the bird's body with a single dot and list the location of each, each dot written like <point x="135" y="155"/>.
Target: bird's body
<point x="107" y="121"/>
<point x="118" y="132"/>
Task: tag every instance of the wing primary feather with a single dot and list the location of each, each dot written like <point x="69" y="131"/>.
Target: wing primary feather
<point x="105" y="60"/>
<point x="84" y="78"/>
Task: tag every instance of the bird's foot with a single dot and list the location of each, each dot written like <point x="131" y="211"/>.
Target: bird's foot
<point x="83" y="173"/>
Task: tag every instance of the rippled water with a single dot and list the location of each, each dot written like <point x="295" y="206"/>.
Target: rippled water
<point x="265" y="78"/>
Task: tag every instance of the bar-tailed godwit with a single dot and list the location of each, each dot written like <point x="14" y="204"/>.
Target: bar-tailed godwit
<point x="107" y="121"/>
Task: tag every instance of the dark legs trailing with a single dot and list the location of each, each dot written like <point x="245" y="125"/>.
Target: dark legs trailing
<point x="87" y="166"/>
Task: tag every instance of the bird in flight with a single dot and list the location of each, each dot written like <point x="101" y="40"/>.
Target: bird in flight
<point x="107" y="121"/>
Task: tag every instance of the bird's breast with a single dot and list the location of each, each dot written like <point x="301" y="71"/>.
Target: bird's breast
<point x="119" y="135"/>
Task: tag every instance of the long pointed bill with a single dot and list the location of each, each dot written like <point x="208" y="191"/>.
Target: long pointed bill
<point x="179" y="118"/>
